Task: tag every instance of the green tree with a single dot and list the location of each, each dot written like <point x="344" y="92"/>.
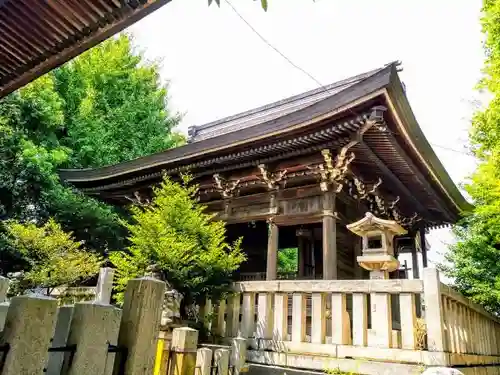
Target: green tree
<point x="106" y="106"/>
<point x="473" y="262"/>
<point x="184" y="244"/>
<point x="115" y="106"/>
<point x="52" y="257"/>
<point x="287" y="261"/>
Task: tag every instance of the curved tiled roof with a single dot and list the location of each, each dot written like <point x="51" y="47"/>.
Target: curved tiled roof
<point x="272" y="111"/>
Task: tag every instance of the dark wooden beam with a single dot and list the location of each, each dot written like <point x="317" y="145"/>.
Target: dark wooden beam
<point x="423" y="246"/>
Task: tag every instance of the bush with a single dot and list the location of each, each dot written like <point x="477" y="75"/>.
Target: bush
<point x="52" y="257"/>
<point x="186" y="246"/>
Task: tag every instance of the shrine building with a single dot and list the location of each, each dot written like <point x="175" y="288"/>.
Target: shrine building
<point x="295" y="173"/>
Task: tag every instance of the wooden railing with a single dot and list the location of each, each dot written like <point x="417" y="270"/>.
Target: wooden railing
<point x="355" y="319"/>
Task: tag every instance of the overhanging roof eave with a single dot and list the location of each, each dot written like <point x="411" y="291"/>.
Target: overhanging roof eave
<point x="422" y="147"/>
<point x="337" y="104"/>
<point x="75" y="44"/>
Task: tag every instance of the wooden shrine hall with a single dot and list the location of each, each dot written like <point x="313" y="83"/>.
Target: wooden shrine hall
<point x="295" y="173"/>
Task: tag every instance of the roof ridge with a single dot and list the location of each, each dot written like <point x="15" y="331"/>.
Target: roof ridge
<point x="192" y="130"/>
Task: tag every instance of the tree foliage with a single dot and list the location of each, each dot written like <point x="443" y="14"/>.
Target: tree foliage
<point x="288" y="261"/>
<point x="52" y="257"/>
<point x="187" y="247"/>
<point x="474" y="259"/>
<point x="106" y="106"/>
<point x="114" y="106"/>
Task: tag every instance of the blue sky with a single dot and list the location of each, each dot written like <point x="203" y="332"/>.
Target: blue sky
<point x="217" y="66"/>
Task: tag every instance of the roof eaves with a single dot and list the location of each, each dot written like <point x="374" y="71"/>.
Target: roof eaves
<point x="328" y="107"/>
<point x="422" y="147"/>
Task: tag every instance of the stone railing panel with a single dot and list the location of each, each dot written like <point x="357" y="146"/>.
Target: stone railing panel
<point x="468" y="328"/>
<point x="374" y="320"/>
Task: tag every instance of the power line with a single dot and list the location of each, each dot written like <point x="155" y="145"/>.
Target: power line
<point x="305" y="71"/>
<point x="451" y="149"/>
<point x="272" y="46"/>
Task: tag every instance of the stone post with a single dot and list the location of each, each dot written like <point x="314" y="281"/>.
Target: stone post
<point x="104" y="285"/>
<point x="4" y="287"/>
<point x="93" y="327"/>
<point x="238" y="354"/>
<point x="163" y="352"/>
<point x="204" y="361"/>
<point x="184" y="344"/>
<point x="140" y="325"/>
<point x="55" y="362"/>
<point x="29" y="327"/>
<point x="4" y="306"/>
<point x="221" y="359"/>
<point x="433" y="311"/>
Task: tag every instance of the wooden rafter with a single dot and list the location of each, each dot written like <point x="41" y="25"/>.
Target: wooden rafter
<point x="392" y="177"/>
<point x="56" y="32"/>
<point x="420" y="176"/>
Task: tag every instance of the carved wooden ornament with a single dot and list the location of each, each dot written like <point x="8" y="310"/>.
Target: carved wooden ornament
<point x="272" y="180"/>
<point x="227" y="189"/>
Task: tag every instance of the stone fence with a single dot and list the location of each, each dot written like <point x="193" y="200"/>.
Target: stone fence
<point x="185" y="356"/>
<point x="88" y="338"/>
<point x="321" y="324"/>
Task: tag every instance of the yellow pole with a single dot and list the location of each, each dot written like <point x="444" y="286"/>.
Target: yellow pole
<point x="159" y="355"/>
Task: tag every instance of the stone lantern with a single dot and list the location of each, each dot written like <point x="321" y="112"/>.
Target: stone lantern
<point x="378" y="244"/>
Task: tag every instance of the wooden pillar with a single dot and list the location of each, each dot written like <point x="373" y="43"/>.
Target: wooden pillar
<point x="272" y="250"/>
<point x="301" y="252"/>
<point x="414" y="262"/>
<point x="416" y="275"/>
<point x="305" y="256"/>
<point x="329" y="237"/>
<point x="312" y="252"/>
<point x="423" y="246"/>
<point x="358" y="270"/>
